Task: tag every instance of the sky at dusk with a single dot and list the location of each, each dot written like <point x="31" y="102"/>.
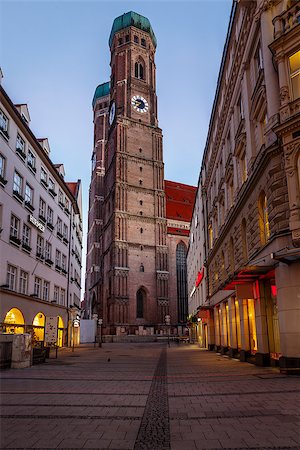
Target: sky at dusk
<point x="54" y="54"/>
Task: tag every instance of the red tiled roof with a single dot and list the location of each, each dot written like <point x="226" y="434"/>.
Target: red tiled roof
<point x="180" y="199"/>
<point x="72" y="187"/>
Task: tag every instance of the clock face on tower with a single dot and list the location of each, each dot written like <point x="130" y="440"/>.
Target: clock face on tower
<point x="112" y="113"/>
<point x="139" y="103"/>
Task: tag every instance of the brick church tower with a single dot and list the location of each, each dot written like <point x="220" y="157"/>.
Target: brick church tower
<point x="127" y="263"/>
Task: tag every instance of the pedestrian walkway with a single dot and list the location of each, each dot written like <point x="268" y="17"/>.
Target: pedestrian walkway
<point x="148" y="396"/>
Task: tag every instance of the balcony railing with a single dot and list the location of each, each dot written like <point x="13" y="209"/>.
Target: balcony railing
<point x="286" y="21"/>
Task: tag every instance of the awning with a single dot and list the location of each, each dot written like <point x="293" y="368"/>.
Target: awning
<point x="249" y="275"/>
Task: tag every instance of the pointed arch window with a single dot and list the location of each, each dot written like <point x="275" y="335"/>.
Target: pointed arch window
<point x="263" y="218"/>
<point x="139" y="71"/>
<point x="140" y="295"/>
<point x="181" y="270"/>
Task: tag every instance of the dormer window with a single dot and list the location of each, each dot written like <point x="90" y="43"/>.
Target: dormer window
<point x="139" y="71"/>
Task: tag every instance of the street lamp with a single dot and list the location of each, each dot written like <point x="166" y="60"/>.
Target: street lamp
<point x="168" y="321"/>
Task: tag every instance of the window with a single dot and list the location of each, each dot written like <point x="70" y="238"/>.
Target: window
<point x="139" y="71"/>
<point x="120" y="41"/>
<point x="3" y="123"/>
<point x="23" y="286"/>
<point x="28" y="195"/>
<point x="62" y="296"/>
<point x="142" y="268"/>
<point x="46" y="285"/>
<point x="26" y="236"/>
<point x="141" y="182"/>
<point x="56" y="294"/>
<point x="20" y="147"/>
<point x="11" y="277"/>
<point x="18" y="185"/>
<point x="60" y="198"/>
<point x="14" y="228"/>
<point x="44" y="177"/>
<point x="67" y="205"/>
<point x="140" y="304"/>
<point x="258" y="60"/>
<point x="141" y="202"/>
<point x="143" y="42"/>
<point x="37" y="287"/>
<point x="59" y="227"/>
<point x="65" y="233"/>
<point x="181" y="273"/>
<point x="210" y="236"/>
<point x="2" y="166"/>
<point x="244" y="239"/>
<point x="42" y="210"/>
<point x="294" y="61"/>
<point x="48" y="251"/>
<point x="136" y="39"/>
<point x="51" y="185"/>
<point x="263" y="218"/>
<point x="31" y="160"/>
<point x="127" y="38"/>
<point x="240" y="108"/>
<point x="64" y="262"/>
<point x="57" y="259"/>
<point x="49" y="216"/>
<point x="243" y="167"/>
<point x="141" y="230"/>
<point x="40" y="246"/>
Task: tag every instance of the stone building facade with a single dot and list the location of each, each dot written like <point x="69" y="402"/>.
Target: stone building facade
<point x="41" y="232"/>
<point x="128" y="265"/>
<point x="250" y="185"/>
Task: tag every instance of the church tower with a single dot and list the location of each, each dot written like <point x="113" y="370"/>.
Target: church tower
<point x="134" y="254"/>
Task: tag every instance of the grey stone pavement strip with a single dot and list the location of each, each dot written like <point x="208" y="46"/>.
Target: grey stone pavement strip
<point x="82" y="400"/>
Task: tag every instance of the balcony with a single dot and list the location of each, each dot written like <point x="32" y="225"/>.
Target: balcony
<point x="287" y="21"/>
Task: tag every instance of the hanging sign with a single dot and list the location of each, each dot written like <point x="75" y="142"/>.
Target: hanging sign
<point x="199" y="278"/>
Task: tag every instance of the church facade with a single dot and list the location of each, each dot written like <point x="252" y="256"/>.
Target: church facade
<point x="128" y="280"/>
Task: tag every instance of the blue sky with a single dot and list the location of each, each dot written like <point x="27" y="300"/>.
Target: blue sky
<point x="54" y="54"/>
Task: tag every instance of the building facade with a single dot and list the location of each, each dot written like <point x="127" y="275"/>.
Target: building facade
<point x="249" y="184"/>
<point x="128" y="260"/>
<point x="41" y="232"/>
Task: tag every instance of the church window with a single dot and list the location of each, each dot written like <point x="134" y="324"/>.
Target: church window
<point x="142" y="268"/>
<point x="141" y="213"/>
<point x="140" y="150"/>
<point x="141" y="202"/>
<point x="143" y="42"/>
<point x="141" y="182"/>
<point x="140" y="304"/>
<point x="295" y="74"/>
<point x="141" y="230"/>
<point x="263" y="218"/>
<point x="136" y="39"/>
<point x="141" y="169"/>
<point x="139" y="70"/>
<point x="181" y="272"/>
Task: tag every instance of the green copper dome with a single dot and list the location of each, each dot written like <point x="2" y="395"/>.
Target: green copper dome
<point x="101" y="91"/>
<point x="132" y="19"/>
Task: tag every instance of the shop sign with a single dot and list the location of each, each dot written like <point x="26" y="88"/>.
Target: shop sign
<point x="36" y="223"/>
<point x="51" y="329"/>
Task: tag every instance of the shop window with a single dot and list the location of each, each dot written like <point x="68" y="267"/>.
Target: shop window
<point x="252" y="325"/>
<point x="238" y="324"/>
<point x="39" y="327"/>
<point x="263" y="218"/>
<point x="294" y="62"/>
<point x="227" y="324"/>
<point x="14" y="321"/>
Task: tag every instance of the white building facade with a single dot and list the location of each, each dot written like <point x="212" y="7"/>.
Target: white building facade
<point x="41" y="232"/>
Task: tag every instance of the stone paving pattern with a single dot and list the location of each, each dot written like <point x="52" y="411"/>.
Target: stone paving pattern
<point x="148" y="396"/>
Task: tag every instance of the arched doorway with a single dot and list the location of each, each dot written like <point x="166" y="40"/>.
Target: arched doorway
<point x="140" y="303"/>
<point x="14" y="321"/>
<point x="60" y="334"/>
<point x="181" y="272"/>
<point x="39" y="327"/>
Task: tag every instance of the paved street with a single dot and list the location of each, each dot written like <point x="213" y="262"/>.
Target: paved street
<point x="148" y="396"/>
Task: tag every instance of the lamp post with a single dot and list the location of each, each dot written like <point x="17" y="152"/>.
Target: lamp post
<point x="168" y="321"/>
<point x="100" y="322"/>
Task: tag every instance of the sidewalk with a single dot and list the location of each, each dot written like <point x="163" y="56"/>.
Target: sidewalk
<point x="148" y="396"/>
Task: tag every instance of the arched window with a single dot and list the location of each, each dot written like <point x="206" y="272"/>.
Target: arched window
<point x="181" y="271"/>
<point x="140" y="304"/>
<point x="14" y="321"/>
<point x="139" y="71"/>
<point x="142" y="268"/>
<point x="263" y="218"/>
<point x="244" y="239"/>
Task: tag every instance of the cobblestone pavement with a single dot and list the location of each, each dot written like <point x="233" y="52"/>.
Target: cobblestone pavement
<point x="148" y="396"/>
